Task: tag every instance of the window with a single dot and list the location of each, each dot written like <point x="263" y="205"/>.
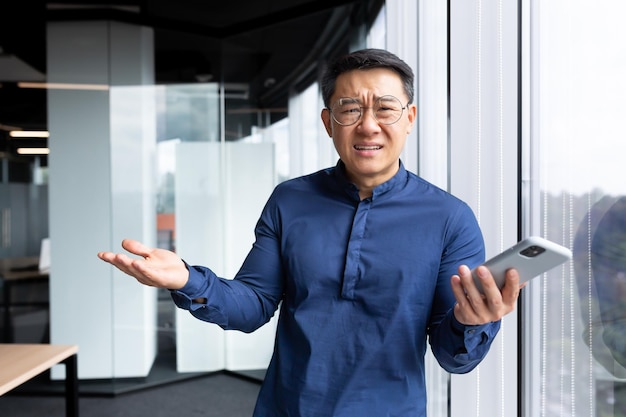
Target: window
<point x="578" y="194"/>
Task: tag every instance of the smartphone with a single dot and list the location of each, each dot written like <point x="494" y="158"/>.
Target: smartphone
<point x="531" y="257"/>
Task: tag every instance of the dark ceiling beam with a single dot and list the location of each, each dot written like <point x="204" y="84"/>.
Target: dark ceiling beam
<point x="222" y="32"/>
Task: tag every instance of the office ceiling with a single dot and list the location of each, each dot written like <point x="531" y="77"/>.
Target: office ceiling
<point x="269" y="46"/>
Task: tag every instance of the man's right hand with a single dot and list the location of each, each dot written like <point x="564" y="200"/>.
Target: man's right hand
<point x="156" y="267"/>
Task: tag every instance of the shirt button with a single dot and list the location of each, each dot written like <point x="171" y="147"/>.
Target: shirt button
<point x="471" y="331"/>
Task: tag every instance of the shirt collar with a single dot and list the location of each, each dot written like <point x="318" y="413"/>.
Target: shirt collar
<point x="392" y="183"/>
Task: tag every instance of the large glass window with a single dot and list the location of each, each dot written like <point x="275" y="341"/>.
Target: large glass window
<point x="578" y="192"/>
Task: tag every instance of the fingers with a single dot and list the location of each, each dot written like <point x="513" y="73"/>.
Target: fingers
<point x="137" y="248"/>
<point x="512" y="287"/>
<point x="474" y="307"/>
<point x="487" y="283"/>
<point x="154" y="267"/>
<point x="123" y="262"/>
<point x="109" y="257"/>
<point x="470" y="308"/>
<point x="132" y="246"/>
<point x="119" y="260"/>
<point x="463" y="286"/>
<point x="105" y="256"/>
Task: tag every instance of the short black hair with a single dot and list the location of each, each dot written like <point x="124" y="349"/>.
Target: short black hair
<point x="365" y="59"/>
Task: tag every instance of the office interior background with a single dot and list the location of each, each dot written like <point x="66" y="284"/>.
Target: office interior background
<point x="171" y="122"/>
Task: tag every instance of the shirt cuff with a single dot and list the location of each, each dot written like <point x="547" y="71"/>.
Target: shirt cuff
<point x="475" y="335"/>
<point x="196" y="287"/>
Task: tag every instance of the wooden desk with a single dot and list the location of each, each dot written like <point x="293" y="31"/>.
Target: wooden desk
<point x="21" y="362"/>
<point x="11" y="273"/>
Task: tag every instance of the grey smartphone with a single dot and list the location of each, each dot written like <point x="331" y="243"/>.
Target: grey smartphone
<point x="531" y="257"/>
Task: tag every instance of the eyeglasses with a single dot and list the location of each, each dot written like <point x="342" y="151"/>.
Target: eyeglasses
<point x="387" y="110"/>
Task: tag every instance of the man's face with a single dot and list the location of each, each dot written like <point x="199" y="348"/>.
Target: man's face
<point x="369" y="149"/>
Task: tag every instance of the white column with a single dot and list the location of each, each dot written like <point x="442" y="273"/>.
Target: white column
<point x="102" y="142"/>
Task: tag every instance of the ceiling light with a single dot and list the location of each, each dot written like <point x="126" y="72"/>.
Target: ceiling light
<point x="29" y="134"/>
<point x="33" y="151"/>
<point x="64" y="86"/>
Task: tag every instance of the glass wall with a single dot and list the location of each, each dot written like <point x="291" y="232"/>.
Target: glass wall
<point x="577" y="108"/>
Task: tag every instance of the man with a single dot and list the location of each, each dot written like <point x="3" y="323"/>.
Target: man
<point x="369" y="260"/>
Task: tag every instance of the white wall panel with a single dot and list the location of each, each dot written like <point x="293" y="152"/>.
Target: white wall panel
<point x="250" y="179"/>
<point x="199" y="241"/>
<point x="220" y="192"/>
<point x="101" y="192"/>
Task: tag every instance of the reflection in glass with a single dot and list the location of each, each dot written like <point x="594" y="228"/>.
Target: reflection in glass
<point x="600" y="267"/>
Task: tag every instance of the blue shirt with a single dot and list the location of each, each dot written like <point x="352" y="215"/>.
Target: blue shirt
<point x="363" y="283"/>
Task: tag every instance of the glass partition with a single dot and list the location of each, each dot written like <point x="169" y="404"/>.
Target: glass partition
<point x="212" y="186"/>
<point x="579" y="61"/>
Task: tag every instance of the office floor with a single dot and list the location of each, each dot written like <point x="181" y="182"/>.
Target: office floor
<point x="215" y="395"/>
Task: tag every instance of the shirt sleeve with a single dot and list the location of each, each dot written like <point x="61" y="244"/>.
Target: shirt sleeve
<point x="459" y="348"/>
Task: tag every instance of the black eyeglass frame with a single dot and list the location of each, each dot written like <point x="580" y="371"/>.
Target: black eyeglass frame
<point x="362" y="108"/>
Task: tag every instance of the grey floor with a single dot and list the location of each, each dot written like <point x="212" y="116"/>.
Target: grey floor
<point x="214" y="395"/>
